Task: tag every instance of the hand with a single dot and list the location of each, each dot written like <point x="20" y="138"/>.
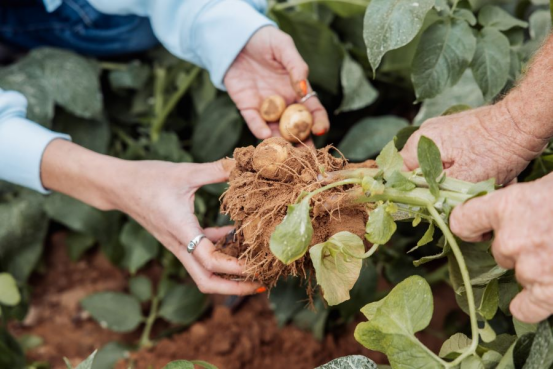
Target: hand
<point x="477" y="145"/>
<point x="158" y="195"/>
<point x="521" y="218"/>
<point x="270" y="64"/>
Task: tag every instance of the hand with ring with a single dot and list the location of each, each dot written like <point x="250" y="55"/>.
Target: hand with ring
<point x="270" y="64"/>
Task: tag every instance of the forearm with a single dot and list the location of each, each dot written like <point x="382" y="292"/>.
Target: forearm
<point x="530" y="103"/>
<point x="83" y="174"/>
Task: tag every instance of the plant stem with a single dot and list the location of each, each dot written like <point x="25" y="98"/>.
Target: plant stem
<point x="467" y="284"/>
<point x="332" y="185"/>
<point x="293" y="3"/>
<point x="161" y="114"/>
<point x="145" y="337"/>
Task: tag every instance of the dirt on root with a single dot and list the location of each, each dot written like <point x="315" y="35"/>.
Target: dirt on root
<point x="246" y="337"/>
<point x="265" y="181"/>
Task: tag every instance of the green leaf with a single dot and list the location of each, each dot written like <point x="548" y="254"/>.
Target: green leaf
<point x="491" y="359"/>
<point x="466" y="15"/>
<point x="140" y="246"/>
<point x="472" y="362"/>
<point x="380" y="226"/>
<point x="427" y="237"/>
<point x="540" y="356"/>
<point x="109" y="355"/>
<point x="217" y="130"/>
<point x="290" y="240"/>
<point x="397" y="181"/>
<point x="317" y="44"/>
<point x="337" y="263"/>
<point x="203" y="92"/>
<point x="496" y="17"/>
<point x="368" y="137"/>
<point x="393" y="321"/>
<point x="362" y="293"/>
<point x="77" y="244"/>
<point x="350" y="362"/>
<point x="444" y="53"/>
<point x="179" y="364"/>
<point x="168" y="148"/>
<point x="30" y="341"/>
<point x="540" y="25"/>
<point x="465" y="92"/>
<point x="87" y="364"/>
<point x="489" y="302"/>
<point x="482" y="188"/>
<point x="491" y="63"/>
<point x="346" y="10"/>
<point x="430" y="162"/>
<point x="523" y="328"/>
<point x="487" y="333"/>
<point x="426" y="259"/>
<point x="390" y="24"/>
<point x="454" y="346"/>
<point x="24" y="227"/>
<point x="286" y="299"/>
<point x="507" y="361"/>
<point x="389" y="160"/>
<point x="92" y="134"/>
<point x="116" y="311"/>
<point x="313" y="320"/>
<point x="203" y="364"/>
<point x="9" y="293"/>
<point x="456" y="109"/>
<point x="72" y="80"/>
<point x="356" y="89"/>
<point x="133" y="75"/>
<point x="183" y="304"/>
<point x="11" y="354"/>
<point x="141" y="287"/>
<point x="404" y="135"/>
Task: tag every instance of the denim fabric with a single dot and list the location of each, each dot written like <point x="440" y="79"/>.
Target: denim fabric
<point x="75" y="25"/>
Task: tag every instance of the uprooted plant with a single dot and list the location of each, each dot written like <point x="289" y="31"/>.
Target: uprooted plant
<point x="333" y="207"/>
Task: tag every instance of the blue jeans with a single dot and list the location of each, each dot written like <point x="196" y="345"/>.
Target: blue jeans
<point x="76" y="26"/>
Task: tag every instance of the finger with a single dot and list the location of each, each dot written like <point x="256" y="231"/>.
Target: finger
<point x="320" y="116"/>
<point x="471" y="221"/>
<point x="287" y="54"/>
<point x="215" y="233"/>
<point x="526" y="307"/>
<point x="274" y="129"/>
<point x="255" y="122"/>
<point x="207" y="173"/>
<point x="502" y="259"/>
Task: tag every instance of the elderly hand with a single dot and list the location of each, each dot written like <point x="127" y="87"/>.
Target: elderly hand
<point x="158" y="195"/>
<point x="270" y="64"/>
<point x="521" y="218"/>
<point x="478" y="144"/>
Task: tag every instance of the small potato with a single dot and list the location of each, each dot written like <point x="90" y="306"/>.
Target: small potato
<point x="272" y="108"/>
<point x="296" y="123"/>
<point x="269" y="157"/>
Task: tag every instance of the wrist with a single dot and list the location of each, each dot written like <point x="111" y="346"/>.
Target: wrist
<point x="81" y="173"/>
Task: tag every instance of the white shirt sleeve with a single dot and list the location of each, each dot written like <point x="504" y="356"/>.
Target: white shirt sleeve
<point x="208" y="33"/>
<point x="22" y="142"/>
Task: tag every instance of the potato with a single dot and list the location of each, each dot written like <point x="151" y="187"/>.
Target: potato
<point x="268" y="157"/>
<point x="272" y="108"/>
<point x="296" y="123"/>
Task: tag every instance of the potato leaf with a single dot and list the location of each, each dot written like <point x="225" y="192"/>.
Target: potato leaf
<point x="465" y="14"/>
<point x="489" y="302"/>
<point x="393" y="321"/>
<point x="389" y="160"/>
<point x="397" y="181"/>
<point x="337" y="263"/>
<point x="496" y="17"/>
<point x="290" y="240"/>
<point x="116" y="311"/>
<point x="390" y="24"/>
<point x="183" y="304"/>
<point x="9" y="293"/>
<point x="429" y="158"/>
<point x="356" y="89"/>
<point x="443" y="54"/>
<point x="141" y="287"/>
<point x="140" y="246"/>
<point x="472" y="362"/>
<point x="110" y="354"/>
<point x="350" y="362"/>
<point x="540" y="356"/>
<point x="454" y="346"/>
<point x="427" y="237"/>
<point x="380" y="226"/>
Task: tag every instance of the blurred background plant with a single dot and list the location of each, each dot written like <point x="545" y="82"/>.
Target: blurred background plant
<point x="156" y="107"/>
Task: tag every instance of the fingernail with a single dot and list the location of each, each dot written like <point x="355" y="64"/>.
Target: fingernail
<point x="261" y="290"/>
<point x="320" y="133"/>
<point x="303" y="85"/>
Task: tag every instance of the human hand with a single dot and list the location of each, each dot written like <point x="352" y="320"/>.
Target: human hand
<point x="160" y="196"/>
<point x="478" y="144"/>
<point x="521" y="218"/>
<point x="270" y="64"/>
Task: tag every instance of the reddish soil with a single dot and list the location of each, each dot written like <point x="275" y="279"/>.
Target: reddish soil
<point x="246" y="338"/>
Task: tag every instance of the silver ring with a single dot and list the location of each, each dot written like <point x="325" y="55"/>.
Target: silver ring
<point x="194" y="242"/>
<point x="305" y="98"/>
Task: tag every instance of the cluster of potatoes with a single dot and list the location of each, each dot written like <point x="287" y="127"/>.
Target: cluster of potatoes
<point x="295" y="121"/>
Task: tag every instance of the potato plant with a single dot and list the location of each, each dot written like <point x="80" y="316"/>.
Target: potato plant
<point x="447" y="55"/>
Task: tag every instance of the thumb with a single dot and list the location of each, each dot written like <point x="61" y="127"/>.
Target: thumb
<point x="215" y="172"/>
<point x="409" y="153"/>
<point x="525" y="308"/>
<point x="287" y="54"/>
<point x="473" y="220"/>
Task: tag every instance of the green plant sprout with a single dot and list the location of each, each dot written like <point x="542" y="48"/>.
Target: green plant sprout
<point x="426" y="194"/>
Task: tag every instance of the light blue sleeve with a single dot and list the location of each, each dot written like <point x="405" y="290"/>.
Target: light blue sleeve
<point x="208" y="33"/>
<point x="22" y="142"/>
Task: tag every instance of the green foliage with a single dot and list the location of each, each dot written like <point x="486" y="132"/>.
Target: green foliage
<point x="347" y="362"/>
<point x="9" y="293"/>
<point x="141" y="287"/>
<point x="380" y="225"/>
<point x="183" y="304"/>
<point x="140" y="247"/>
<point x="116" y="311"/>
<point x="430" y="162"/>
